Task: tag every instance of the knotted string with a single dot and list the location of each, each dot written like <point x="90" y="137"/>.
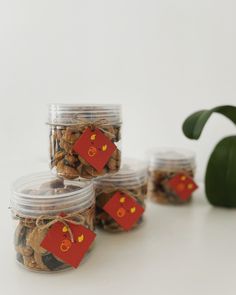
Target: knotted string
<point x="81" y="123"/>
<point x="100" y="124"/>
<point x="66" y="220"/>
<point x="111" y="188"/>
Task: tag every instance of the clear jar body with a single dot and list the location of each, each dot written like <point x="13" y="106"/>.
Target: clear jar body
<point x="132" y="180"/>
<point x="165" y="164"/>
<point x="158" y="190"/>
<point x="103" y="219"/>
<point x="38" y="202"/>
<point x="67" y="163"/>
<point x="28" y="237"/>
<point x="65" y="130"/>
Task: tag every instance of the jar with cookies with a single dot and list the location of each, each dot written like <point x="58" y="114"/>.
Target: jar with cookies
<point x="171" y="176"/>
<point x="53" y="221"/>
<point x="120" y="198"/>
<point x="85" y="140"/>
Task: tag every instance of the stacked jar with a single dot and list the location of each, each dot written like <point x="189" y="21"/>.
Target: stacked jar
<point x="54" y="213"/>
<point x="85" y="140"/>
<point x="129" y="182"/>
<point x="165" y="165"/>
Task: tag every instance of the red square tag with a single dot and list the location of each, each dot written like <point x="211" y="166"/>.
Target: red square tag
<point x="95" y="148"/>
<point x="58" y="242"/>
<point x="182" y="185"/>
<point x="124" y="210"/>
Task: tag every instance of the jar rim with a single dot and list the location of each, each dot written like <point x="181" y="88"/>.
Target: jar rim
<point x="79" y="105"/>
<point x="171" y="156"/>
<point x="67" y="114"/>
<point x="132" y="172"/>
<point x="82" y="194"/>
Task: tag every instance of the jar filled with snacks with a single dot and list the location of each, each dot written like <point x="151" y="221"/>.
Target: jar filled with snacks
<point x="53" y="220"/>
<point x="120" y="198"/>
<point x="85" y="140"/>
<point x="171" y="176"/>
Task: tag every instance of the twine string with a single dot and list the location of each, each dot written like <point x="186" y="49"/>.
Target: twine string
<point x="81" y="123"/>
<point x="111" y="188"/>
<point x="100" y="124"/>
<point x="66" y="220"/>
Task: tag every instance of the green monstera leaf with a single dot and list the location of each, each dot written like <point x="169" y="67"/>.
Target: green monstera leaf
<point x="220" y="179"/>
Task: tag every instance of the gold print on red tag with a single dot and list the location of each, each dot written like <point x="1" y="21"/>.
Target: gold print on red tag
<point x="92" y="151"/>
<point x="124" y="210"/>
<point x="59" y="243"/>
<point x="65" y="245"/>
<point x="95" y="148"/>
<point x="182" y="185"/>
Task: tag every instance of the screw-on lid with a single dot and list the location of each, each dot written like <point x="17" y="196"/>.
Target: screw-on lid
<point x="43" y="194"/>
<point x="132" y="173"/>
<point x="68" y="114"/>
<point x="173" y="158"/>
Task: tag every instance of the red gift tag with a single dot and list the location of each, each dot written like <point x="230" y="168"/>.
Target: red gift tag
<point x="95" y="148"/>
<point x="58" y="242"/>
<point x="182" y="185"/>
<point x="124" y="210"/>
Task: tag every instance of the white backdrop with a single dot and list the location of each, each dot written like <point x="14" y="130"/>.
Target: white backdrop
<point x="161" y="60"/>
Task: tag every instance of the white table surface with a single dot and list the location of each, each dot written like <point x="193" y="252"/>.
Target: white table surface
<point x="183" y="250"/>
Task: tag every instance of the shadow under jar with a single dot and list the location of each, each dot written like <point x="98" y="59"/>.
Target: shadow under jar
<point x="164" y="165"/>
<point x="36" y="201"/>
<point x="131" y="180"/>
<point x="85" y="140"/>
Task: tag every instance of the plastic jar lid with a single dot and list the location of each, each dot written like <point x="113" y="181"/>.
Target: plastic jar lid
<point x="69" y="114"/>
<point x="132" y="173"/>
<point x="172" y="158"/>
<point x="43" y="194"/>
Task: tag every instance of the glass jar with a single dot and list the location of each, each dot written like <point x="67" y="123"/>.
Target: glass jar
<point x="68" y="123"/>
<point x="164" y="165"/>
<point x="36" y="200"/>
<point x="131" y="179"/>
